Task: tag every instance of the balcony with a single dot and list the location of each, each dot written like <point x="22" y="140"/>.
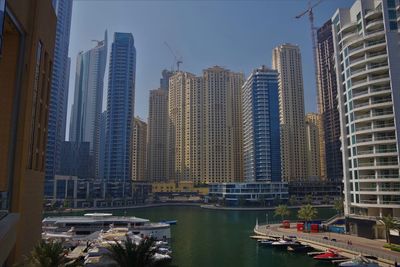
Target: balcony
<point x="373" y="13"/>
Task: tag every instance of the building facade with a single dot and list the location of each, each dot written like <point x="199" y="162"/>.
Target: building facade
<point x="120" y="107"/>
<point x="222" y="126"/>
<point x="75" y="159"/>
<point x="286" y="59"/>
<point x="157" y="149"/>
<point x="314" y="145"/>
<point x="328" y="103"/>
<point x="205" y="129"/>
<point x="184" y="136"/>
<point x="88" y="100"/>
<point x="139" y="150"/>
<point x="102" y="143"/>
<point x="261" y="135"/>
<point x="59" y="91"/>
<point x="26" y="67"/>
<point x="366" y="43"/>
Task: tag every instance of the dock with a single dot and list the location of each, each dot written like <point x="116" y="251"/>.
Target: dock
<point x="320" y="246"/>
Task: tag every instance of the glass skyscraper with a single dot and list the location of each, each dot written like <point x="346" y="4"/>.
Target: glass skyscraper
<point x="59" y="92"/>
<point x="120" y="107"/>
<point x="261" y="136"/>
<point x="88" y="100"/>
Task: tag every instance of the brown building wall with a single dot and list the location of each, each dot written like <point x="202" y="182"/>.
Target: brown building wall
<point x="37" y="21"/>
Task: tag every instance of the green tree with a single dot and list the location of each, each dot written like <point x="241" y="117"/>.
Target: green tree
<point x="130" y="254"/>
<point x="47" y="254"/>
<point x="325" y="199"/>
<point x="282" y="210"/>
<point x="307" y="213"/>
<point x="293" y="200"/>
<point x="308" y="199"/>
<point x="390" y="224"/>
<point x="338" y="206"/>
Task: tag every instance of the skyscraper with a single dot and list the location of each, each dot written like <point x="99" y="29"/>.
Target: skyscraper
<point x="286" y="59"/>
<point x="59" y="92"/>
<point x="139" y="149"/>
<point x="88" y="100"/>
<point x="205" y="132"/>
<point x="157" y="135"/>
<point x="261" y="135"/>
<point x="120" y="107"/>
<point x="315" y="161"/>
<point x="328" y="104"/>
<point x="102" y="143"/>
<point x="164" y="81"/>
<point x="366" y="43"/>
<point x="184" y="137"/>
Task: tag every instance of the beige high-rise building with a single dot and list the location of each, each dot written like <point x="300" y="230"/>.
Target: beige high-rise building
<point x="315" y="147"/>
<point x="185" y="125"/>
<point x="286" y="59"/>
<point x="139" y="149"/>
<point x="157" y="147"/>
<point x="205" y="134"/>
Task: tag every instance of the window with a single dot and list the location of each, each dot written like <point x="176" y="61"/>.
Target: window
<point x="393" y="25"/>
<point x="392" y="14"/>
<point x="391" y="3"/>
<point x="358" y="16"/>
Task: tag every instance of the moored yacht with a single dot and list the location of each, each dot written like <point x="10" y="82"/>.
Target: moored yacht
<point x="95" y="222"/>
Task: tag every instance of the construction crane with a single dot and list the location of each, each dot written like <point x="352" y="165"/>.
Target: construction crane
<point x="178" y="60"/>
<point x="310" y="13"/>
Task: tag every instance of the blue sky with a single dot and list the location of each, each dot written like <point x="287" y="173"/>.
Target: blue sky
<point x="238" y="35"/>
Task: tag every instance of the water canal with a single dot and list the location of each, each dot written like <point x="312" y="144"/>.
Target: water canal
<point x="208" y="238"/>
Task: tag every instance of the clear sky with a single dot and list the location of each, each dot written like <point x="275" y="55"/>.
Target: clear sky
<point x="238" y="35"/>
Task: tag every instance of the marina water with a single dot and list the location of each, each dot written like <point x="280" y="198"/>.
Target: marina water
<point x="217" y="238"/>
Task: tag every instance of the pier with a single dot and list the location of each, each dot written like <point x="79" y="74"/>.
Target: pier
<point x="385" y="258"/>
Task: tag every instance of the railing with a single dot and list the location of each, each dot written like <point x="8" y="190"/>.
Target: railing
<point x="365" y="152"/>
<point x="357" y="117"/>
<point x="383" y="100"/>
<point x="342" y="245"/>
<point x="360" y="93"/>
<point x="373" y="90"/>
<point x="374" y="54"/>
<point x="361" y="104"/>
<point x="384" y="163"/>
<point x="385" y="138"/>
<point x="357" y="71"/>
<point x="353" y="61"/>
<point x="360" y="81"/>
<point x="361" y="128"/>
<point x="364" y="140"/>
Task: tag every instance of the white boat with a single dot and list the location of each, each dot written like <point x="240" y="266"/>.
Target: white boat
<point x="359" y="261"/>
<point x="95" y="222"/>
<point x="284" y="243"/>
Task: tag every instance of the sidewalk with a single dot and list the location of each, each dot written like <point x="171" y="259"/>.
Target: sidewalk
<point x="358" y="244"/>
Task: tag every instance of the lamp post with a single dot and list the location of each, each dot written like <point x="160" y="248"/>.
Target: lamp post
<point x="266" y="217"/>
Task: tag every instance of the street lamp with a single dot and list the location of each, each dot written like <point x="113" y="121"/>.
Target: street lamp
<point x="266" y="217"/>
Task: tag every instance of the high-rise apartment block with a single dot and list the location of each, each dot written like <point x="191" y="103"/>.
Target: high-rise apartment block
<point x="26" y="67"/>
<point x="367" y="52"/>
<point x="120" y="107"/>
<point x="328" y="103"/>
<point x="205" y="129"/>
<point x="261" y="135"/>
<point x="139" y="149"/>
<point x="157" y="131"/>
<point x="286" y="59"/>
<point x="59" y="91"/>
<point x="315" y="155"/>
<point x="88" y="101"/>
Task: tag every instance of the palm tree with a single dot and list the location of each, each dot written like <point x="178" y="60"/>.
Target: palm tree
<point x="307" y="213"/>
<point x="390" y="224"/>
<point x="130" y="254"/>
<point x="292" y="200"/>
<point x="338" y="205"/>
<point x="282" y="210"/>
<point x="308" y="199"/>
<point x="47" y="254"/>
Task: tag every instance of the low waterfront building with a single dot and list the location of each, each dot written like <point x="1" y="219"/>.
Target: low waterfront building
<point x="321" y="192"/>
<point x="181" y="188"/>
<point x="234" y="193"/>
<point x="73" y="192"/>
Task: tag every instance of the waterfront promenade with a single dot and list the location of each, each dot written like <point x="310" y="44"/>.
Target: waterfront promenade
<point x="358" y="245"/>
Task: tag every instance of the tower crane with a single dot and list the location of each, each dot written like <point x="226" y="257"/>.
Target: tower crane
<point x="310" y="13"/>
<point x="178" y="59"/>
